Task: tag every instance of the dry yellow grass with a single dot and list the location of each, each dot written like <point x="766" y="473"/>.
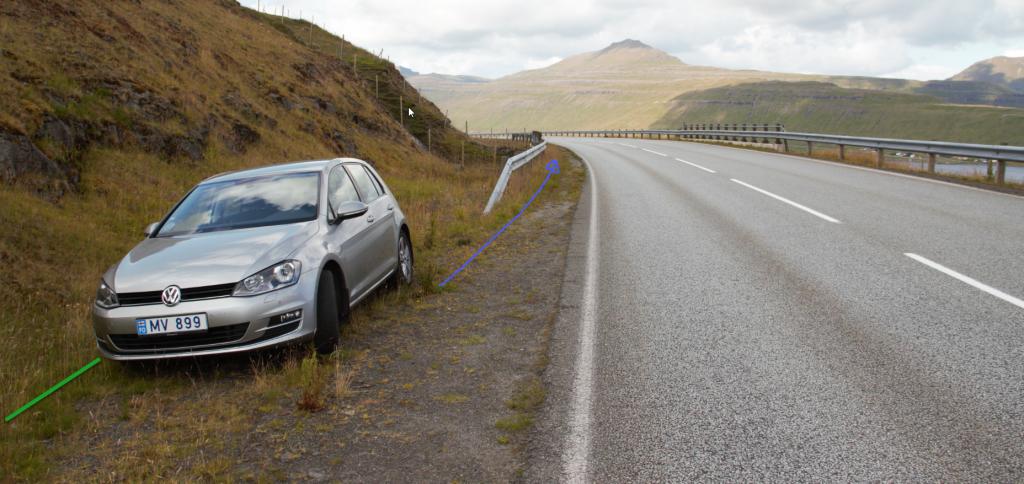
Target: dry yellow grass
<point x="191" y="54"/>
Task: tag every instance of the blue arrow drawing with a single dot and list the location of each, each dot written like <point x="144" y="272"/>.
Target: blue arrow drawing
<point x="552" y="168"/>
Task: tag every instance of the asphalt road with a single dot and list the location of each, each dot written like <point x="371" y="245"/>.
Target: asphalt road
<point x="737" y="315"/>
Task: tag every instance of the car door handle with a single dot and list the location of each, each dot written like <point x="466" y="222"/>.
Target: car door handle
<point x="391" y="207"/>
<point x="369" y="219"/>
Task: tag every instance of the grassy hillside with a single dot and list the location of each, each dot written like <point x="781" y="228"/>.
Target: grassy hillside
<point x="113" y="110"/>
<point x="826" y="108"/>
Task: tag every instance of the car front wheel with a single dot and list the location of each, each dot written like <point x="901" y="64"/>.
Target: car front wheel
<point x="328" y="322"/>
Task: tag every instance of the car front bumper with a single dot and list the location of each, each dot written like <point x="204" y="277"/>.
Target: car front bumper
<point x="236" y="324"/>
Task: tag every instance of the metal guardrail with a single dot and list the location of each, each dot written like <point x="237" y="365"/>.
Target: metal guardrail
<point x="513" y="164"/>
<point x="778" y="136"/>
<point x="505" y="135"/>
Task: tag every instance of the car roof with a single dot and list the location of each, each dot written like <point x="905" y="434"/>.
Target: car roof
<point x="280" y="169"/>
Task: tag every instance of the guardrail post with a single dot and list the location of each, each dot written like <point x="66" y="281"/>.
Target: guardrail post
<point x="879" y="157"/>
<point x="1000" y="172"/>
<point x="842" y="152"/>
<point x="931" y="162"/>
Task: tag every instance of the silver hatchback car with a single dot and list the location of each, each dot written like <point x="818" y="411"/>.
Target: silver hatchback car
<point x="254" y="259"/>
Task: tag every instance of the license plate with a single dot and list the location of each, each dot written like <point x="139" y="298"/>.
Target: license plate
<point x="171" y="324"/>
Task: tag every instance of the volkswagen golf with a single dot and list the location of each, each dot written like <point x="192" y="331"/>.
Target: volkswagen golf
<point x="255" y="259"/>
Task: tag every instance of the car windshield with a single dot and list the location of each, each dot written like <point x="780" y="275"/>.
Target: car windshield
<point x="251" y="202"/>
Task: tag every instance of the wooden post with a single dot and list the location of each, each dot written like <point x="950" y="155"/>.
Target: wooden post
<point x="879" y="158"/>
<point x="401" y="111"/>
<point x="1000" y="172"/>
<point x="376" y="85"/>
<point x="810" y="148"/>
<point x="842" y="152"/>
<point x="463" y="153"/>
<point x="931" y="162"/>
<point x="428" y="141"/>
<point x="988" y="173"/>
<point x="467" y="126"/>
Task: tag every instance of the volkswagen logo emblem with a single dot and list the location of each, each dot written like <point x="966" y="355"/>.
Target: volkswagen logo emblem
<point x="171" y="296"/>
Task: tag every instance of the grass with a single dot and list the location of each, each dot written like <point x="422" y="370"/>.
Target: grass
<point x="189" y="59"/>
<point x="313" y="383"/>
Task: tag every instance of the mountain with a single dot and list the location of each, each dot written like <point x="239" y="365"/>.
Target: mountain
<point x="1002" y="71"/>
<point x="827" y="108"/>
<point x="630" y="84"/>
<point x="626" y="84"/>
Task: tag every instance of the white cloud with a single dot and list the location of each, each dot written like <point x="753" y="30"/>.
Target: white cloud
<point x="923" y="72"/>
<point x="498" y="37"/>
<point x="854" y="50"/>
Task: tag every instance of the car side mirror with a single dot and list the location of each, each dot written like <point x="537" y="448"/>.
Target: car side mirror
<point x="151" y="229"/>
<point x="350" y="209"/>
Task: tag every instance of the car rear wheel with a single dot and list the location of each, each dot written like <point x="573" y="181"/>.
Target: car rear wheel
<point x="328" y="322"/>
<point x="404" y="269"/>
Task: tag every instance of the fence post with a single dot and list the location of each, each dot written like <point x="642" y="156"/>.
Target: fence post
<point x="428" y="141"/>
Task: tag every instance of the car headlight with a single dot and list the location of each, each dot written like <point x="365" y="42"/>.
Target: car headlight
<point x="275" y="277"/>
<point x="106" y="298"/>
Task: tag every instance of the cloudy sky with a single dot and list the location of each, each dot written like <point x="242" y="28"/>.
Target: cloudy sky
<point x="918" y="39"/>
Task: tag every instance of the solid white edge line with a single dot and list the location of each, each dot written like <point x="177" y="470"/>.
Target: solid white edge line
<point x="655" y="152"/>
<point x="790" y="202"/>
<point x="627" y="146"/>
<point x="709" y="170"/>
<point x="575" y="459"/>
<point x="967" y="280"/>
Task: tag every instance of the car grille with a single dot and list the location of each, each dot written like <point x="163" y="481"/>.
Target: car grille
<point x="189" y="294"/>
<point x="212" y="336"/>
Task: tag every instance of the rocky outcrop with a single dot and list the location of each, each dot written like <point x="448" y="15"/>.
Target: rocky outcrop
<point x="21" y="160"/>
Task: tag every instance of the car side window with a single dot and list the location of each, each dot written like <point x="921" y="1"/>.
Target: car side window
<point x="376" y="181"/>
<point x="366" y="187"/>
<point x="340" y="188"/>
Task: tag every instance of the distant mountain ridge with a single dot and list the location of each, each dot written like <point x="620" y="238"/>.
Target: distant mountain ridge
<point x="630" y="84"/>
<point x="1001" y="71"/>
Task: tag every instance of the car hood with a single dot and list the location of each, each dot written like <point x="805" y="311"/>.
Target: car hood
<point x="207" y="259"/>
